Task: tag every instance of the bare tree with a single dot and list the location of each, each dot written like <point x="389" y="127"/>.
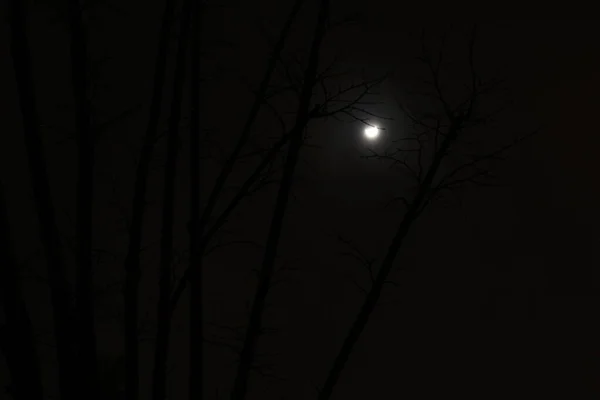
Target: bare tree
<point x="206" y="231"/>
<point x="86" y="336"/>
<point x="16" y="334"/>
<point x="61" y="295"/>
<point x="253" y="329"/>
<point x="166" y="242"/>
<point x="334" y="104"/>
<point x="259" y="177"/>
<point x="138" y="206"/>
<point x="436" y="173"/>
<point x="197" y="222"/>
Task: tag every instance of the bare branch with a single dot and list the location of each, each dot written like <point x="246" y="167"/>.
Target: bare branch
<point x="358" y="255"/>
<point x="222" y="343"/>
<point x="474" y="172"/>
<point x="401" y="199"/>
<point x="221" y="245"/>
<point x="445" y="135"/>
<point x="336" y="103"/>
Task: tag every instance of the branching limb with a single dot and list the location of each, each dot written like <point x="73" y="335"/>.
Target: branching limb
<point x="473" y="172"/>
<point x="366" y="262"/>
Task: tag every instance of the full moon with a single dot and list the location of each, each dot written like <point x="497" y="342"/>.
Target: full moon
<point x="371" y="132"/>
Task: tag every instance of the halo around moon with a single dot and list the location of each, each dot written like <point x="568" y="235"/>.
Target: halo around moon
<point x="371" y="132"/>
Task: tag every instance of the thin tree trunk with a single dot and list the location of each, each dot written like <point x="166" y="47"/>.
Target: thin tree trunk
<point x="16" y="336"/>
<point x="386" y="266"/>
<point x="222" y="218"/>
<point x="132" y="259"/>
<point x="195" y="383"/>
<point x="197" y="224"/>
<point x="229" y="164"/>
<point x="61" y="296"/>
<point x="86" y="337"/>
<point x="247" y="355"/>
<point x="166" y="242"/>
<point x="258" y="101"/>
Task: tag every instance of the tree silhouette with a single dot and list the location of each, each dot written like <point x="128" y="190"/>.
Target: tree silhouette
<point x="206" y="230"/>
<point x="441" y="133"/>
<point x="61" y="295"/>
<point x="86" y="335"/>
<point x="334" y="103"/>
<point x="196" y="355"/>
<point x="166" y="241"/>
<point x="253" y="329"/>
<point x="16" y="334"/>
<point x="444" y="152"/>
<point x="132" y="258"/>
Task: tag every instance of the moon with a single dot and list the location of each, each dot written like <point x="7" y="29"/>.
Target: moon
<point x="371" y="132"/>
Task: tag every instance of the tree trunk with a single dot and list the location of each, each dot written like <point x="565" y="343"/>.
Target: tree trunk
<point x="258" y="101"/>
<point x="166" y="242"/>
<point x="16" y="336"/>
<point x="370" y="302"/>
<point x="195" y="383"/>
<point x="197" y="223"/>
<point x="222" y="218"/>
<point x="229" y="164"/>
<point x="132" y="259"/>
<point x="61" y="296"/>
<point x="86" y="337"/>
<point x="247" y="355"/>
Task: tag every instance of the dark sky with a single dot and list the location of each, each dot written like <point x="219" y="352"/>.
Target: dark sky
<point x="460" y="323"/>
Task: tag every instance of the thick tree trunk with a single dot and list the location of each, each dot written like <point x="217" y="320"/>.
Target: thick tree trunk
<point x="247" y="355"/>
<point x="166" y="242"/>
<point x="61" y="296"/>
<point x="195" y="383"/>
<point x="16" y="336"/>
<point x="86" y="337"/>
<point x="132" y="259"/>
<point x="386" y="266"/>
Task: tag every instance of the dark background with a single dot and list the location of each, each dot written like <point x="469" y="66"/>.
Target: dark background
<point x="497" y="296"/>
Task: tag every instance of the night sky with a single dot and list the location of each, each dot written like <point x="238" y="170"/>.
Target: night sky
<point x="496" y="296"/>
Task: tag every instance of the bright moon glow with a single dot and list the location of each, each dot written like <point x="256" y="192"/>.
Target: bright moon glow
<point x="371" y="132"/>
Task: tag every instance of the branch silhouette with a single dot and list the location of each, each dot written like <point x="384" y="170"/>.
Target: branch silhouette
<point x="447" y="131"/>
